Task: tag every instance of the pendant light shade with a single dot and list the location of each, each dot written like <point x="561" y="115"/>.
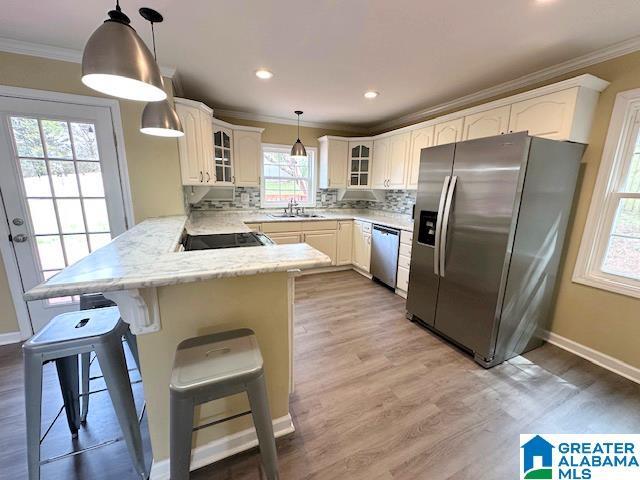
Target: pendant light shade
<point x="160" y="119"/>
<point x="298" y="151"/>
<point x="117" y="62"/>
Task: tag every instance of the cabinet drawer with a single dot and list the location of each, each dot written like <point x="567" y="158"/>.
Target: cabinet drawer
<point x="282" y="227"/>
<point x="366" y="226"/>
<point x="405" y="250"/>
<point x="286" y="238"/>
<point x="404" y="261"/>
<point x="319" y="225"/>
<point x="403" y="279"/>
<point x="406" y="237"/>
<point x="255" y="227"/>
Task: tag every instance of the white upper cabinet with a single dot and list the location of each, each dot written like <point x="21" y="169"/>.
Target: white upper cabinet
<point x="247" y="154"/>
<point x="360" y="154"/>
<point x="380" y="162"/>
<point x="448" y="132"/>
<point x="487" y="124"/>
<point x="390" y="159"/>
<point x="334" y="156"/>
<point x="222" y="155"/>
<point x="421" y="138"/>
<point x="398" y="160"/>
<point x="550" y="116"/>
<point x="196" y="145"/>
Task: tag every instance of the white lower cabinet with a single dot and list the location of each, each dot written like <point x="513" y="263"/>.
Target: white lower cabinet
<point x="404" y="262"/>
<point x="284" y="238"/>
<point x="345" y="243"/>
<point x="402" y="282"/>
<point x="323" y="240"/>
<point x="362" y="245"/>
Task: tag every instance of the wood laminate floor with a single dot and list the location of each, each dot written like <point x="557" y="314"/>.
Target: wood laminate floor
<point x="380" y="398"/>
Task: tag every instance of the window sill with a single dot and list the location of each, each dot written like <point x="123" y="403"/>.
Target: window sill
<point x="619" y="285"/>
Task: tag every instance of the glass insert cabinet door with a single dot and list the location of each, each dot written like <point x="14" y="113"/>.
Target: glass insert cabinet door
<point x="222" y="153"/>
<point x="65" y="200"/>
<point x="360" y="154"/>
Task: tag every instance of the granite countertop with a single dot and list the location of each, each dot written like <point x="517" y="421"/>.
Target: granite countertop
<point x="208" y="222"/>
<point x="146" y="256"/>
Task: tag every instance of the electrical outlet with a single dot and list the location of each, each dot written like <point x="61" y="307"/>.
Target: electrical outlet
<point x="244" y="198"/>
<point x="323" y="198"/>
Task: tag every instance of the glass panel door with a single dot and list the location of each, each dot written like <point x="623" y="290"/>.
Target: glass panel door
<point x="222" y="155"/>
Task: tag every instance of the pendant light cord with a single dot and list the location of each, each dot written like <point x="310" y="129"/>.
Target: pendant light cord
<point x="298" y="127"/>
<point x="153" y="37"/>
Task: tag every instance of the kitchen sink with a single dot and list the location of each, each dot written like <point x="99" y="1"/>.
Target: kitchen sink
<point x="300" y="215"/>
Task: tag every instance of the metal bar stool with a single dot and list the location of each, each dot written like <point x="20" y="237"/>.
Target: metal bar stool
<point x="90" y="301"/>
<point x="67" y="336"/>
<point x="212" y="367"/>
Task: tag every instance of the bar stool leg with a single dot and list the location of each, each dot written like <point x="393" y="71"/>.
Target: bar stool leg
<point x="257" y="393"/>
<point x="114" y="368"/>
<point x="69" y="385"/>
<point x="181" y="429"/>
<point x="33" y="404"/>
<point x="85" y="360"/>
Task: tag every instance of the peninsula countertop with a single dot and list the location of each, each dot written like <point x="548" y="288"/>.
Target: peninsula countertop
<point x="146" y="256"/>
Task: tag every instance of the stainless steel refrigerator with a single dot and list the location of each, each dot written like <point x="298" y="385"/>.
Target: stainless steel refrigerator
<point x="490" y="221"/>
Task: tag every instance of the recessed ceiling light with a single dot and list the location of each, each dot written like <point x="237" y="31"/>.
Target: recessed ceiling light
<point x="264" y="74"/>
<point x="371" y="94"/>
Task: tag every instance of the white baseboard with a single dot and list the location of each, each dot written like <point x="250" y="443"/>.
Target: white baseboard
<point x="594" y="356"/>
<point x="223" y="447"/>
<point x="9" y="338"/>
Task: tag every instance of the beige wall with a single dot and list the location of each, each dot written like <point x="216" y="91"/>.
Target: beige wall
<point x="258" y="302"/>
<point x="154" y="171"/>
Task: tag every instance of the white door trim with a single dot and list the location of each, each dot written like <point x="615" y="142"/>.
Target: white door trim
<point x="8" y="256"/>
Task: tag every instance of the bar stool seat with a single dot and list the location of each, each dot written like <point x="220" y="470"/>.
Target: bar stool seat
<point x="215" y="366"/>
<point x="64" y="338"/>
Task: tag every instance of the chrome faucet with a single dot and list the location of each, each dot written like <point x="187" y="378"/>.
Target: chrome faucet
<point x="292" y="203"/>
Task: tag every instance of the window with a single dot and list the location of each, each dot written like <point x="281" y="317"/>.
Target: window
<point x="609" y="255"/>
<point x="284" y="178"/>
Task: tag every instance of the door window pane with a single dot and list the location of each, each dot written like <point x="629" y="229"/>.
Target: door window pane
<point x="98" y="240"/>
<point x="50" y="252"/>
<point x="84" y="141"/>
<point x="35" y="177"/>
<point x="76" y="247"/>
<point x="43" y="216"/>
<point x="63" y="177"/>
<point x="71" y="218"/>
<point x="90" y="179"/>
<point x="57" y="140"/>
<point x="97" y="218"/>
<point x="27" y="137"/>
<point x="365" y="151"/>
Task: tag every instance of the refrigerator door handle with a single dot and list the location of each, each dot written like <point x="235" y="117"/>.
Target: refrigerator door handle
<point x="445" y="223"/>
<point x="436" y="245"/>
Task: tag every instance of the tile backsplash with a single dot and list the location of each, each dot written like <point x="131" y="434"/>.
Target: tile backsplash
<point x="397" y="201"/>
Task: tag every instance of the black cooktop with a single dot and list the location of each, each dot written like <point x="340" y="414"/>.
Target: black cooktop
<point x="225" y="240"/>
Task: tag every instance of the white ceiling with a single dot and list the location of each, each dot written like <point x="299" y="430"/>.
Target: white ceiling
<point x="326" y="53"/>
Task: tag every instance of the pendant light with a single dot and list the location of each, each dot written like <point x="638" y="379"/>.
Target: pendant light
<point x="159" y="118"/>
<point x="298" y="151"/>
<point x="116" y="61"/>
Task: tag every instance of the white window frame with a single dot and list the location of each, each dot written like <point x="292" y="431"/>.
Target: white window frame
<point x="614" y="166"/>
<point x="313" y="169"/>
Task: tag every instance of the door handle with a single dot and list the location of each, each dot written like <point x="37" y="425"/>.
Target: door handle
<point x="208" y="177"/>
<point x="20" y="238"/>
<point x="445" y="223"/>
<point x="201" y="177"/>
<point x="436" y="245"/>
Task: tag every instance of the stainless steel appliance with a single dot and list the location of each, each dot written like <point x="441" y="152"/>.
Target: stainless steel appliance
<point x="490" y="222"/>
<point x="225" y="240"/>
<point x="385" y="243"/>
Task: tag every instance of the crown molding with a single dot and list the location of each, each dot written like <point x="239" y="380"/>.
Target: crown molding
<point x="613" y="51"/>
<point x="287" y="121"/>
<point x="55" y="53"/>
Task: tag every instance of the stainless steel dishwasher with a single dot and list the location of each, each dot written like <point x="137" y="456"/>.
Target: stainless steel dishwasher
<point x="385" y="243"/>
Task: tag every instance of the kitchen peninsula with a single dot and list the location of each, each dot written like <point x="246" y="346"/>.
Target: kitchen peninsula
<point x="151" y="280"/>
